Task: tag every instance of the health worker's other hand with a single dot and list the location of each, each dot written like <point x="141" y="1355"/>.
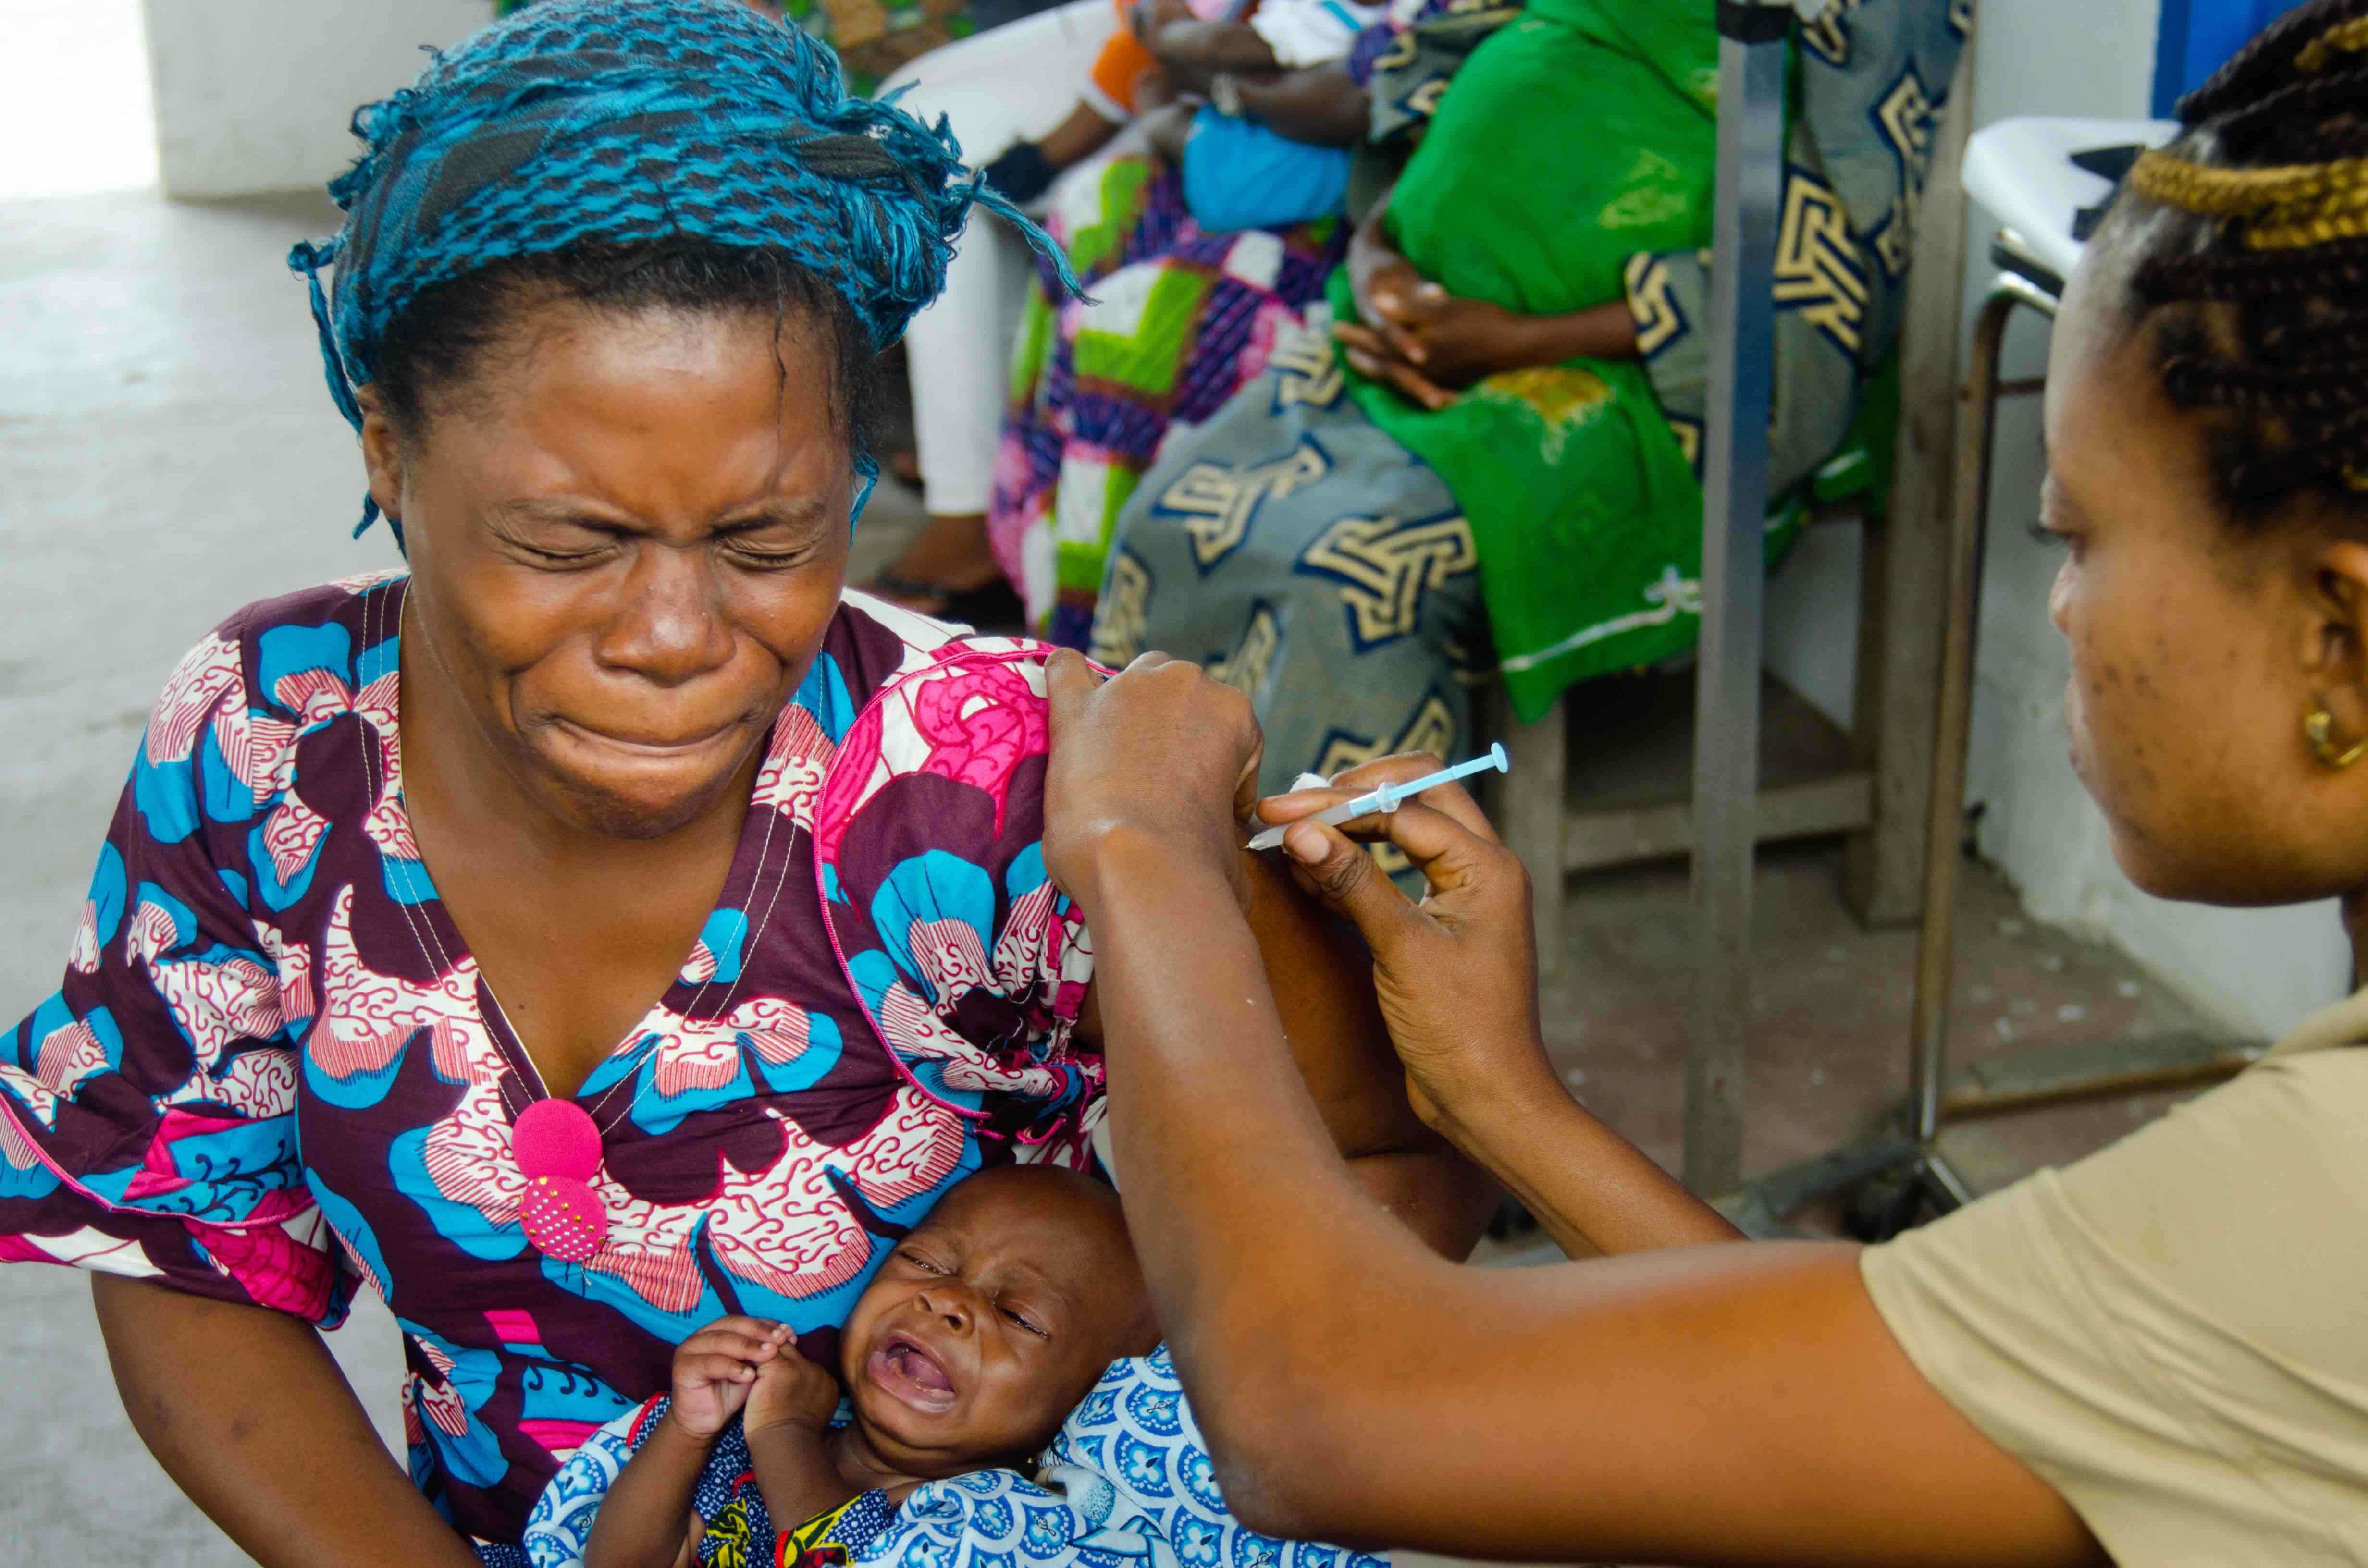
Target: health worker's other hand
<point x="1159" y="758"/>
<point x="790" y="1391"/>
<point x="715" y="1369"/>
<point x="1457" y="972"/>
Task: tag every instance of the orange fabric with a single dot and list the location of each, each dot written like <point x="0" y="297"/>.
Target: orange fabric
<point x="1123" y="63"/>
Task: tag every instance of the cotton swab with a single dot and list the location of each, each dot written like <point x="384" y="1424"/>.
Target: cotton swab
<point x="1389" y="797"/>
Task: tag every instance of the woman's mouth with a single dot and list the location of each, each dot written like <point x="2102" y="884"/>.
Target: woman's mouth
<point x="905" y="1372"/>
<point x="651" y="746"/>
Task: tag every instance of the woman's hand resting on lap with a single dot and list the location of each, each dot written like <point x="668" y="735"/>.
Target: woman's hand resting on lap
<point x="1427" y="345"/>
<point x="1422" y="340"/>
<point x="1456" y="973"/>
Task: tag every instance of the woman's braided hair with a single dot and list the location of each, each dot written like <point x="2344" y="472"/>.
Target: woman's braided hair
<point x="2255" y="239"/>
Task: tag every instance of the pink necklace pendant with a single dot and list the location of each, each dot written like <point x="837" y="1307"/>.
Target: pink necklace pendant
<point x="557" y="1146"/>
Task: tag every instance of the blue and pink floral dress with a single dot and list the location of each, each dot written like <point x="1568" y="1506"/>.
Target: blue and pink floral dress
<point x="273" y="1073"/>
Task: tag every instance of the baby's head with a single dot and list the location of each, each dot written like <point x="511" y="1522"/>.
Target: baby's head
<point x="993" y="1319"/>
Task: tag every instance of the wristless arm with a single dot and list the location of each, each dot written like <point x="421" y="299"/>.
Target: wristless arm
<point x="645" y="1519"/>
<point x="249" y="1415"/>
<point x="795" y="1475"/>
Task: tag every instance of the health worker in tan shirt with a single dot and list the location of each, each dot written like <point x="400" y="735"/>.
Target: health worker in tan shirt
<point x="2158" y="1355"/>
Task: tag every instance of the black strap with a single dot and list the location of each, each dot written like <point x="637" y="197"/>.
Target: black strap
<point x="1749" y="23"/>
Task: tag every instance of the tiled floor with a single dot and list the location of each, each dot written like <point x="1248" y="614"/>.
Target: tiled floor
<point x="166" y="453"/>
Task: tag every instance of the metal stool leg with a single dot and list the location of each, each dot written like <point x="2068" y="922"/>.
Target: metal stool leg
<point x="1935" y="949"/>
<point x="1531" y="809"/>
<point x="1735" y="508"/>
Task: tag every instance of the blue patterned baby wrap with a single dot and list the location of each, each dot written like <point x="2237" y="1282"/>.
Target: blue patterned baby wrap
<point x="1127" y="1483"/>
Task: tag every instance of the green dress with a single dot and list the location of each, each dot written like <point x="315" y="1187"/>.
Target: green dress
<point x="1361" y="567"/>
<point x="1584" y="506"/>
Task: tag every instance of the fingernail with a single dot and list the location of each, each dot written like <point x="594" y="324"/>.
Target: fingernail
<point x="1304" y="843"/>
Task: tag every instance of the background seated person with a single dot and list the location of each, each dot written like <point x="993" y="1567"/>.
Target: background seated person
<point x="1493" y="473"/>
<point x="1198" y="309"/>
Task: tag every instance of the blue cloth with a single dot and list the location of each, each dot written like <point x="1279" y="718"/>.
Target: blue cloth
<point x="740" y="1532"/>
<point x="626" y="121"/>
<point x="1127" y="1483"/>
<point x="1239" y="174"/>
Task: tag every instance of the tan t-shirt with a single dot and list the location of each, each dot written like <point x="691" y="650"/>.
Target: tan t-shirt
<point x="2173" y="1333"/>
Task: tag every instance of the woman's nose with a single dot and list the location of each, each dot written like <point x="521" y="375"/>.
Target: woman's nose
<point x="670" y="626"/>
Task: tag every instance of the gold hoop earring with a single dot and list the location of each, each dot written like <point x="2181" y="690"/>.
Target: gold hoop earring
<point x="2319" y="728"/>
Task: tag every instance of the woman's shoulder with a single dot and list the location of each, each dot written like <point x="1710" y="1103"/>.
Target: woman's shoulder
<point x="353" y="605"/>
<point x="242" y="694"/>
<point x="927" y="788"/>
<point x="263" y="642"/>
<point x="871" y="643"/>
<point x="899" y="696"/>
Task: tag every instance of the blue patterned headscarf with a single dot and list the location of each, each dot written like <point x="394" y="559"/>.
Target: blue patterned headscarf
<point x="624" y="121"/>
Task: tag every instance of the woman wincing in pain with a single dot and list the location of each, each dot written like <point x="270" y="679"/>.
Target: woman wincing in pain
<point x="604" y="927"/>
<point x="2156" y="1354"/>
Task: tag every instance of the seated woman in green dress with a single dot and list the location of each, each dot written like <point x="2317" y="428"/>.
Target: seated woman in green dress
<point x="1489" y="455"/>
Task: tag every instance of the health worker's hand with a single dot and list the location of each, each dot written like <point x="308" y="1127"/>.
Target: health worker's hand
<point x="715" y="1369"/>
<point x="1457" y="972"/>
<point x="1159" y="758"/>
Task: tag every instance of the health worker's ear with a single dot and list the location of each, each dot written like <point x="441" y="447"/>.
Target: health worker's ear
<point x="2335" y="640"/>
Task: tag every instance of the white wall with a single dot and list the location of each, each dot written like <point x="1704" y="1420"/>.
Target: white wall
<point x="74" y="98"/>
<point x="256" y="95"/>
<point x="2260" y="971"/>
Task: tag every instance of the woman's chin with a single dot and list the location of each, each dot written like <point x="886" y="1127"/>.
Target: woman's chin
<point x="634" y="789"/>
<point x="641" y="803"/>
<point x="2157" y="867"/>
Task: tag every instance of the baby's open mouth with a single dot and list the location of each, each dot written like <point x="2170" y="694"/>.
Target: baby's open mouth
<point x="906" y="1372"/>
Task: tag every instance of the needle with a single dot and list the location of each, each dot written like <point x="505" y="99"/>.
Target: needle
<point x="1389" y="797"/>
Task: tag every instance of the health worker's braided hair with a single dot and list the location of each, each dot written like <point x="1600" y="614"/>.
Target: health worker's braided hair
<point x="2255" y="240"/>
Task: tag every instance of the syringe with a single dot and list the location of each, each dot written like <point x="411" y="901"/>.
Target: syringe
<point x="1389" y="797"/>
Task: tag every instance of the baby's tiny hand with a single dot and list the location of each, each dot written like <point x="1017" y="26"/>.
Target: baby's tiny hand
<point x="715" y="1369"/>
<point x="790" y="1391"/>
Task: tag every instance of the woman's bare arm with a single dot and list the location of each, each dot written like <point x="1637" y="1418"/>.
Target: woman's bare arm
<point x="1720" y="1404"/>
<point x="645" y="1519"/>
<point x="250" y="1416"/>
<point x="1320" y="105"/>
<point x="1193" y="52"/>
<point x="1455" y="979"/>
<point x="1319" y="975"/>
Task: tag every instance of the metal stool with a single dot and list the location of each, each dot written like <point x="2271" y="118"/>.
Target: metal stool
<point x="1906" y="1168"/>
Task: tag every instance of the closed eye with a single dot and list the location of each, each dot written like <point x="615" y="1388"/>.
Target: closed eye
<point x="750" y="555"/>
<point x="917" y="1261"/>
<point x="1020" y="1321"/>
